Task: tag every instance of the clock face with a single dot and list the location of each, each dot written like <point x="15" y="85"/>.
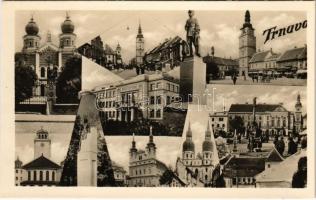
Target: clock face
<point x="42" y="144"/>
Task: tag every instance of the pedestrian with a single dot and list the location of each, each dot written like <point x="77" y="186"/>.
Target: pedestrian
<point x="299" y="179"/>
<point x="292" y="146"/>
<point x="234" y="79"/>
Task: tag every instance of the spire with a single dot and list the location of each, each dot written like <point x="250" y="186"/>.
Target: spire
<point x="140" y="32"/>
<point x="208" y="131"/>
<point x="189" y="132"/>
<point x="151" y="137"/>
<point x="247" y="16"/>
<point x="298" y="103"/>
<point x="247" y="20"/>
<point x="133" y="142"/>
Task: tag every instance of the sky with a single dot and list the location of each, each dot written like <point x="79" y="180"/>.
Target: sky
<point x="220" y="29"/>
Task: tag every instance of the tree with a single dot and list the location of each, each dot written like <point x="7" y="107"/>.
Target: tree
<point x="166" y="177"/>
<point x="237" y="124"/>
<point x="212" y="71"/>
<point x="25" y="78"/>
<point x="69" y="81"/>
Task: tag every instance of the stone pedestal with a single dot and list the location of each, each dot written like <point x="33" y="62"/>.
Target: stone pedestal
<point x="87" y="158"/>
<point x="193" y="80"/>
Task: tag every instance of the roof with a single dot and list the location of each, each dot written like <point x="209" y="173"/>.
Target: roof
<point x="259" y="108"/>
<point x="108" y="50"/>
<point x="294" y="54"/>
<point x="167" y="43"/>
<point x="41" y="163"/>
<point x="282" y="172"/>
<point x="243" y="167"/>
<point x="259" y="56"/>
<point x="274" y="156"/>
<point x="220" y="61"/>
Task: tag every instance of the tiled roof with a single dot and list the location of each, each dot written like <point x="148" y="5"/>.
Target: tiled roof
<point x="259" y="107"/>
<point x="259" y="56"/>
<point x="220" y="61"/>
<point x="244" y="167"/>
<point x="294" y="54"/>
<point x="41" y="163"/>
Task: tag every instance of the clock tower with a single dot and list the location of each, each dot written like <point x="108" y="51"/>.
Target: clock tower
<point x="140" y="47"/>
<point x="247" y="46"/>
<point x="42" y="144"/>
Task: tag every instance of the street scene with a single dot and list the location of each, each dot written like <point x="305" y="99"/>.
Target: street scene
<point x="146" y="102"/>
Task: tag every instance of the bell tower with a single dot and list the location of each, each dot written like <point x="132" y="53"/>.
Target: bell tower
<point x="31" y="39"/>
<point x="67" y="38"/>
<point x="247" y="45"/>
<point x="42" y="144"/>
<point x="140" y="42"/>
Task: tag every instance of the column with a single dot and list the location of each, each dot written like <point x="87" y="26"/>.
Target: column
<point x="132" y="114"/>
<point x="59" y="61"/>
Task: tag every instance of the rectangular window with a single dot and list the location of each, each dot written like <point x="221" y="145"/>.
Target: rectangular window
<point x="168" y="100"/>
<point x="158" y="99"/>
<point x="158" y="85"/>
<point x="158" y="113"/>
<point x="221" y="119"/>
<point x="152" y="113"/>
<point x="152" y="100"/>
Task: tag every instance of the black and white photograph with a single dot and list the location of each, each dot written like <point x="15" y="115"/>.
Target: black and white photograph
<point x="211" y="99"/>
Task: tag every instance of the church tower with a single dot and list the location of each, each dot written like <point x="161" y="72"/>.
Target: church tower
<point x="67" y="39"/>
<point x="151" y="147"/>
<point x="42" y="144"/>
<point x="298" y="114"/>
<point x="31" y="39"/>
<point x="188" y="149"/>
<point x="140" y="42"/>
<point x="207" y="146"/>
<point x="247" y="45"/>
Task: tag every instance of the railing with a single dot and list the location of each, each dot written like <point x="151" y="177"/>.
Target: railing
<point x="35" y="100"/>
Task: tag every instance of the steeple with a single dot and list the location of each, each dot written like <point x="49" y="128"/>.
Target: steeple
<point x="140" y="33"/>
<point x="188" y="144"/>
<point x="133" y="144"/>
<point x="298" y="104"/>
<point x="207" y="143"/>
<point x="247" y="22"/>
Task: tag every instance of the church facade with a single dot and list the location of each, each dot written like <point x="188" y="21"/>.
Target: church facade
<point x="145" y="169"/>
<point x="203" y="167"/>
<point x="41" y="171"/>
<point x="45" y="56"/>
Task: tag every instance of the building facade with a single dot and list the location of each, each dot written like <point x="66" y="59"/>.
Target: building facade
<point x="263" y="62"/>
<point x="144" y="168"/>
<point x="140" y="47"/>
<point x="293" y="61"/>
<point x="119" y="175"/>
<point x="143" y="96"/>
<point x="41" y="171"/>
<point x="202" y="166"/>
<point x="43" y="57"/>
<point x="102" y="53"/>
<point x="219" y="121"/>
<point x="226" y="66"/>
<point x="247" y="45"/>
<point x="19" y="172"/>
<point x="166" y="55"/>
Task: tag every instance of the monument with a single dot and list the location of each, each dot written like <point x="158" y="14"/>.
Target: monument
<point x="192" y="68"/>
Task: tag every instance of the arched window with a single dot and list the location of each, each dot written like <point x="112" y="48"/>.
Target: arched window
<point x="41" y="176"/>
<point x="67" y="42"/>
<point x="42" y="72"/>
<point x="34" y="176"/>
<point x="47" y="175"/>
<point x="53" y="176"/>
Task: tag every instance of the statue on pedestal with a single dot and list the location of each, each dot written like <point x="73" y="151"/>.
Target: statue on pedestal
<point x="193" y="34"/>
